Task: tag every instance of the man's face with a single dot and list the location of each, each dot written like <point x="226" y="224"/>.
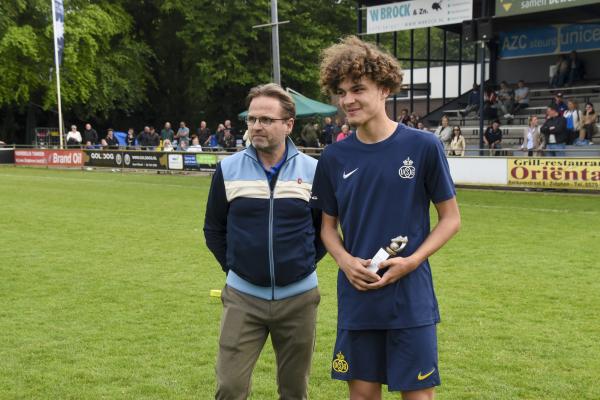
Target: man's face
<point x="147" y="129"/>
<point x="268" y="139"/>
<point x="495" y="126"/>
<point x="551" y="113"/>
<point x="228" y="124"/>
<point x="88" y="127"/>
<point x="203" y="124"/>
<point x="361" y="101"/>
<point x="167" y="126"/>
<point x="327" y="121"/>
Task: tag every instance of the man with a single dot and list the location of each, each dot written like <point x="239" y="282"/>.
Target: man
<point x="378" y="183"/>
<point x="230" y="129"/>
<point x="493" y="138"/>
<point x="167" y="132"/>
<point x="203" y="132"/>
<point x="521" y="97"/>
<point x="183" y="136"/>
<point x="558" y="103"/>
<point x="74" y="137"/>
<point x="90" y="135"/>
<point x="473" y="104"/>
<point x="505" y="100"/>
<point x="327" y="132"/>
<point x="261" y="230"/>
<point x="555" y="132"/>
<point x="111" y="140"/>
<point x="195" y="147"/>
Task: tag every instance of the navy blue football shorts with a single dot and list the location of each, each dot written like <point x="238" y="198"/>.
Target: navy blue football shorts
<point x="403" y="359"/>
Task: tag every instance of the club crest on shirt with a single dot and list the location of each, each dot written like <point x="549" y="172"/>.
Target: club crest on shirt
<point x="407" y="171"/>
<point x="339" y="364"/>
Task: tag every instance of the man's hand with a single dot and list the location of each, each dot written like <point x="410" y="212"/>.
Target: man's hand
<point x="357" y="273"/>
<point x="397" y="268"/>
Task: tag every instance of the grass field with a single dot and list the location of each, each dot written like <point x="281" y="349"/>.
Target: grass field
<point x="105" y="280"/>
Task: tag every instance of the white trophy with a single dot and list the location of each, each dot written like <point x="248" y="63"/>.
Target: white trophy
<point x="396" y="246"/>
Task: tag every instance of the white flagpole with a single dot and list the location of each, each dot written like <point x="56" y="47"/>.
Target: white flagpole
<point x="57" y="67"/>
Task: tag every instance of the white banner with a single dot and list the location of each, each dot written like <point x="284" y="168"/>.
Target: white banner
<point x="417" y="14"/>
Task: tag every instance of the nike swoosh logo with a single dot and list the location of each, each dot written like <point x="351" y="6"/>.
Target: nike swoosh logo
<point x="346" y="175"/>
<point x="427" y="375"/>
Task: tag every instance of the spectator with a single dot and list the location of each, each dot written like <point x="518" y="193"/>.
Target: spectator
<point x="143" y="137"/>
<point x="589" y="128"/>
<point x="505" y="100"/>
<point x="213" y="141"/>
<point x="421" y="126"/>
<point x="561" y="72"/>
<point x="167" y="145"/>
<point x="203" y="132"/>
<point x="195" y="147"/>
<point x="167" y="133"/>
<point x="473" y="104"/>
<point x="444" y="131"/>
<point x="230" y="129"/>
<point x="308" y="136"/>
<point x="130" y="138"/>
<point x="110" y="140"/>
<point x="559" y="103"/>
<point x="344" y="133"/>
<point x="229" y="140"/>
<point x="576" y="69"/>
<point x="413" y="120"/>
<point x="89" y="145"/>
<point x="489" y="104"/>
<point x="183" y="146"/>
<point x="154" y="139"/>
<point x="183" y="135"/>
<point x="555" y="132"/>
<point x="404" y="117"/>
<point x="74" y="137"/>
<point x="90" y="135"/>
<point x="533" y="140"/>
<point x="574" y="121"/>
<point x="457" y="145"/>
<point x="327" y="132"/>
<point x="493" y="138"/>
<point x="521" y="97"/>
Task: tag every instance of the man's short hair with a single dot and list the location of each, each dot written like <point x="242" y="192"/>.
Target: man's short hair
<point x="553" y="107"/>
<point x="275" y="91"/>
<point x="353" y="58"/>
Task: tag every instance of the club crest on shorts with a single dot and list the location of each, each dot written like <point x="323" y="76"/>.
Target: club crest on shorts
<point x="407" y="171"/>
<point x="339" y="364"/>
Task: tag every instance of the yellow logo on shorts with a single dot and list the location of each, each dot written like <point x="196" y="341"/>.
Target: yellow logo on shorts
<point x="339" y="364"/>
<point x="421" y="377"/>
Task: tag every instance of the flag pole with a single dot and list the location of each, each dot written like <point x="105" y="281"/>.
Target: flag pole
<point x="57" y="68"/>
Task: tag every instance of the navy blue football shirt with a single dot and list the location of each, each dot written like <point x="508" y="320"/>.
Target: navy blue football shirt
<point x="380" y="191"/>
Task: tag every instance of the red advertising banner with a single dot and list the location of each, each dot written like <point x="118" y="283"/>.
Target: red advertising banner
<point x="49" y="158"/>
<point x="64" y="158"/>
<point x="30" y="157"/>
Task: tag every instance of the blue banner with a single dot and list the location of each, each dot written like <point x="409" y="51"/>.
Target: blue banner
<point x="59" y="27"/>
<point x="549" y="40"/>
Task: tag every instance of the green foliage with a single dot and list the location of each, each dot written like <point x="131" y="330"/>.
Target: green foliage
<point x="105" y="295"/>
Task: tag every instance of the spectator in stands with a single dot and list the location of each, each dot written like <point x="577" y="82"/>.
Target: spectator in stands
<point x="344" y="133"/>
<point x="130" y="138"/>
<point x="413" y="120"/>
<point x="74" y="137"/>
<point x="231" y="129"/>
<point x="558" y="102"/>
<point x="90" y="134"/>
<point x="154" y="139"/>
<point x="327" y="132"/>
<point x="589" y="127"/>
<point x="195" y="147"/>
<point x="110" y="140"/>
<point x="555" y="132"/>
<point x="505" y="100"/>
<point x="308" y="136"/>
<point x="143" y="137"/>
<point x="493" y="138"/>
<point x="574" y="121"/>
<point x="444" y="131"/>
<point x="213" y="141"/>
<point x="203" y="132"/>
<point x="219" y="135"/>
<point x="167" y="133"/>
<point x="404" y="116"/>
<point x="561" y="73"/>
<point x="421" y="126"/>
<point x="229" y="140"/>
<point x="473" y="104"/>
<point x="533" y="140"/>
<point x="183" y="146"/>
<point x="167" y="145"/>
<point x="457" y="145"/>
<point x="89" y="145"/>
<point x="183" y="135"/>
<point x="576" y="70"/>
<point x="521" y="97"/>
<point x="489" y="104"/>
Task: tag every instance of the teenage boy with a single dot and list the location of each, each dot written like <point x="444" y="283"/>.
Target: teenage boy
<point x="378" y="184"/>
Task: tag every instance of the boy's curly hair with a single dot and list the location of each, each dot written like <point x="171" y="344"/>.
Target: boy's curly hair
<point x="354" y="58"/>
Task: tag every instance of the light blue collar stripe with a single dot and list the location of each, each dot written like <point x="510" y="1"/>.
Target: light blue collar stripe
<point x="264" y="292"/>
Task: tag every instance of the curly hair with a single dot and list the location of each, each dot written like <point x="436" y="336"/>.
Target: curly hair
<point x="353" y="58"/>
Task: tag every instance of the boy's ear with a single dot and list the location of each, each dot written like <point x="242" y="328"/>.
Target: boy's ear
<point x="385" y="92"/>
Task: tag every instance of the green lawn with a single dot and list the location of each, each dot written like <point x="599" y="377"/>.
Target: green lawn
<point x="105" y="279"/>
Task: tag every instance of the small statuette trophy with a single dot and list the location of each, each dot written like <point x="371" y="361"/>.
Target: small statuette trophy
<point x="396" y="246"/>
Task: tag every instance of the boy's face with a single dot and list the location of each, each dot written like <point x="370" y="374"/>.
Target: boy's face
<point x="362" y="100"/>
